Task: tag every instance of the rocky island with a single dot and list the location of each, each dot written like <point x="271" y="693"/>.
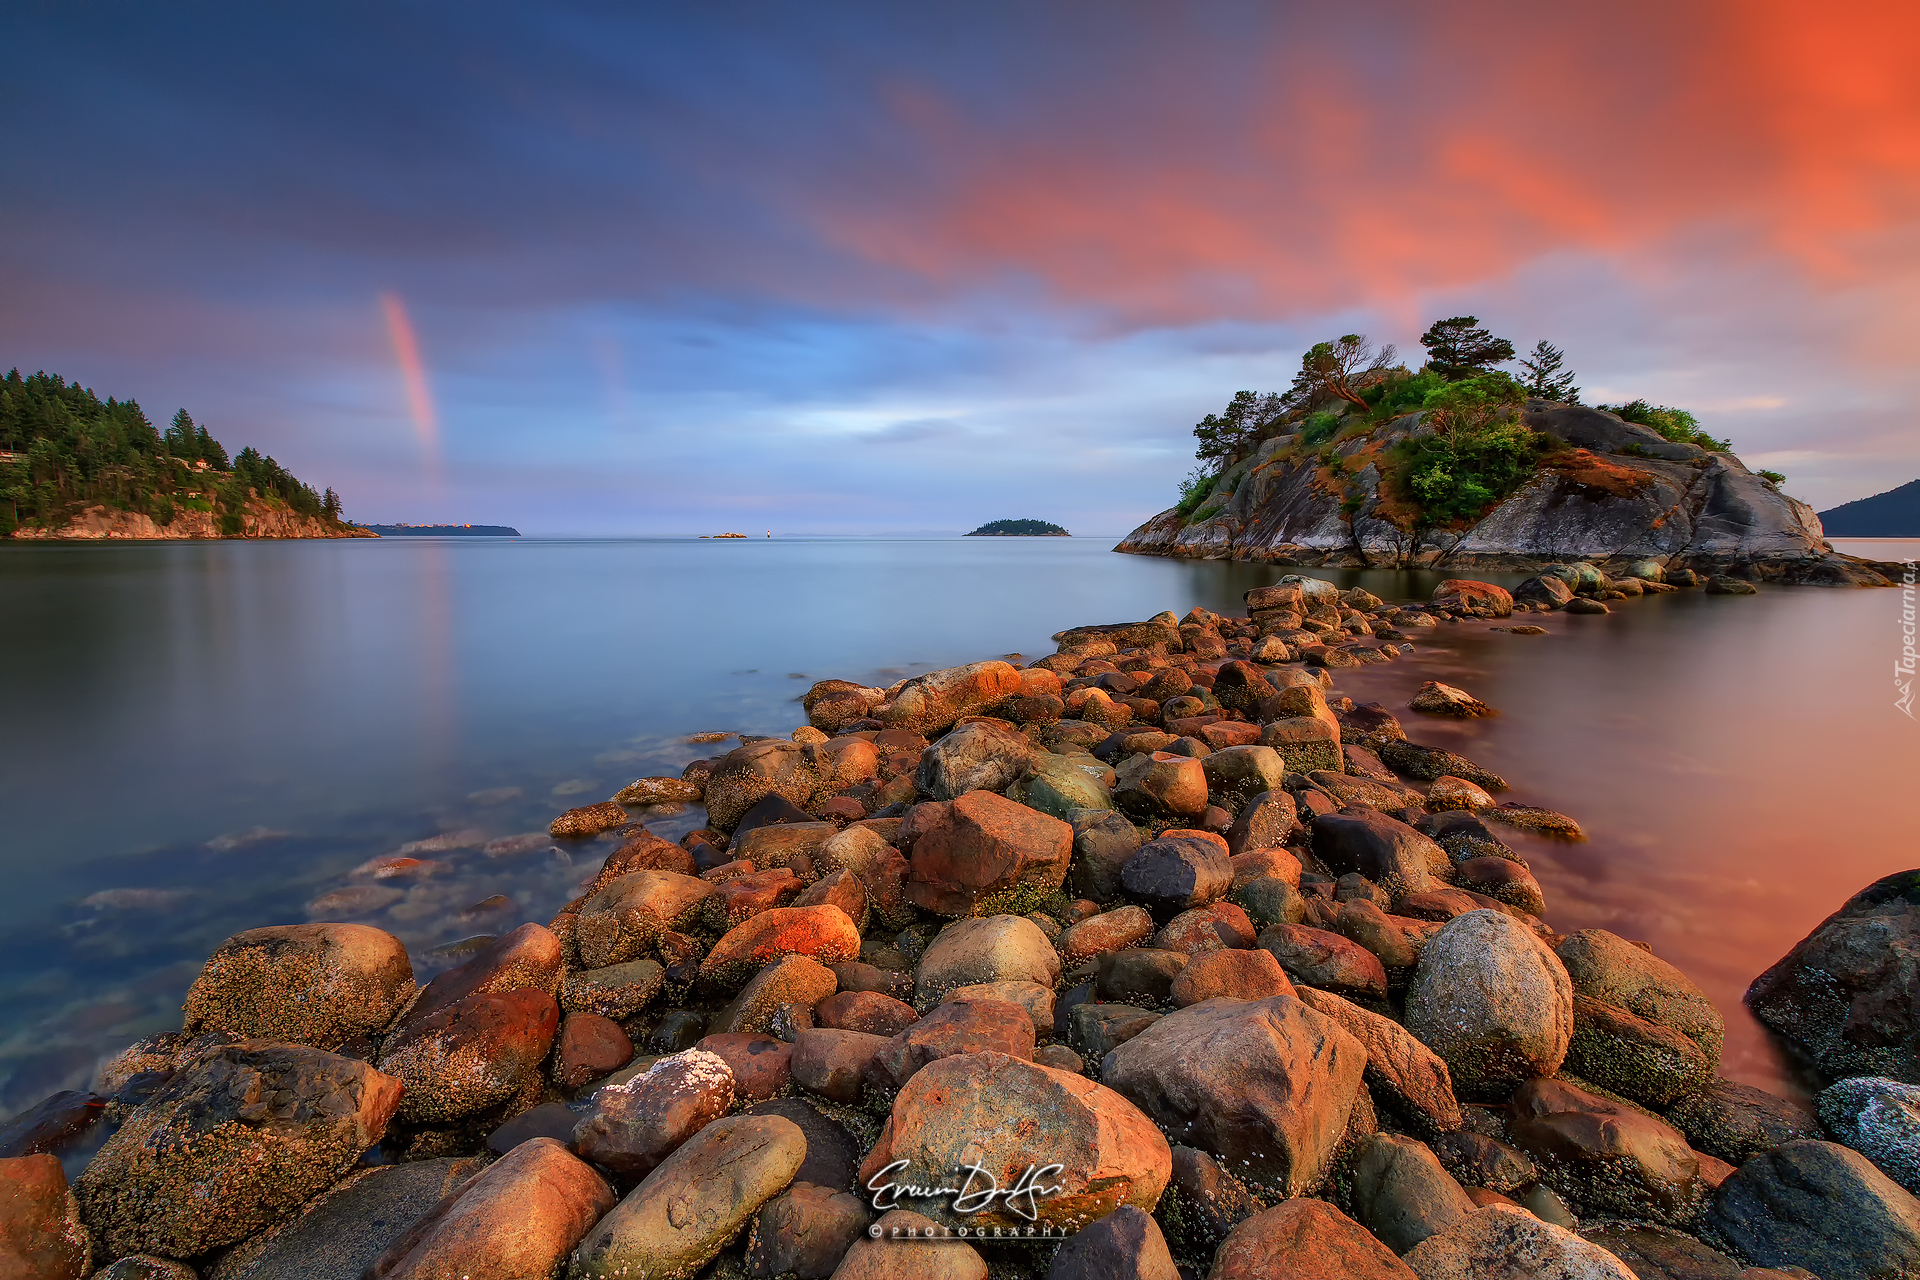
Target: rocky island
<point x="1019" y="529"/>
<point x="1157" y="956"/>
<point x="1459" y="466"/>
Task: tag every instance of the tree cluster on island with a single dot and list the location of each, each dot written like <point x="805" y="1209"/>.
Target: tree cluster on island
<point x="1478" y="451"/>
<point x="1019" y="529"/>
<point x="63" y="449"/>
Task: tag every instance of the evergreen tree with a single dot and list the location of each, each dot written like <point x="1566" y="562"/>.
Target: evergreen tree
<point x="1544" y="377"/>
<point x="182" y="440"/>
<point x="1458" y="348"/>
<point x="330" y="505"/>
<point x="1226" y="436"/>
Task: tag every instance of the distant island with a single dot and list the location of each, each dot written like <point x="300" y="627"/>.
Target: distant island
<point x="1019" y="529"/>
<point x="1893" y="514"/>
<point x="712" y="536"/>
<point x="443" y="530"/>
<point x="75" y="466"/>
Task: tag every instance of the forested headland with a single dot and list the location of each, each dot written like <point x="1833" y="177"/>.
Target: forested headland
<point x="63" y="451"/>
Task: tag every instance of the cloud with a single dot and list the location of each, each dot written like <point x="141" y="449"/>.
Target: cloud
<point x="915" y="430"/>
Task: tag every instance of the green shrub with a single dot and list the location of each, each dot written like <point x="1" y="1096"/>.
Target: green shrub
<point x="1194" y="490"/>
<point x="1673" y="424"/>
<point x="1477" y="454"/>
<point x="1773" y="478"/>
<point x="1403" y="395"/>
<point x="1319" y="428"/>
<point x="163" y="511"/>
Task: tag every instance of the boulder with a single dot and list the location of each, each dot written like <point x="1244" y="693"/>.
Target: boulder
<point x="1456" y="795"/>
<point x="1031" y="996"/>
<point x="617" y="991"/>
<point x="1103" y="841"/>
<point x="1267" y="1085"/>
<point x="1256" y="864"/>
<point x="1109" y="931"/>
<point x="1493" y="1002"/>
<point x="646" y="852"/>
<point x="1181" y="869"/>
<point x="1735" y="1122"/>
<point x="749" y="774"/>
<point x="60" y="1118"/>
<point x="1092" y="1148"/>
<point x="1061" y="786"/>
<point x="587" y="821"/>
<point x="470" y="1055"/>
<point x="697" y="1200"/>
<point x="798" y="981"/>
<point x="872" y="1012"/>
<point x="864" y="853"/>
<point x="1605" y="1156"/>
<point x="529" y="956"/>
<point x="1304" y="1240"/>
<point x="1846" y="993"/>
<point x="1396" y="941"/>
<point x="1880" y="1119"/>
<point x="1208" y="928"/>
<point x="804" y="1232"/>
<point x="642" y="792"/>
<point x="1203" y="1202"/>
<point x="1235" y="975"/>
<point x="40" y="1233"/>
<point x="1438" y="699"/>
<point x="1124" y="1245"/>
<point x="1384" y="850"/>
<point x="823" y="934"/>
<point x="241" y="1136"/>
<point x="1466" y="595"/>
<point x="833" y="1063"/>
<point x="981" y="854"/>
<point x="931" y="703"/>
<point x="1402" y="1194"/>
<point x="591" y="1046"/>
<point x="832" y="1153"/>
<point x="838" y="889"/>
<point x="1819" y="1206"/>
<point x="1326" y="960"/>
<point x="1476" y="1160"/>
<point x="979" y="756"/>
<point x="761" y="1065"/>
<point x="1141" y="975"/>
<point x="988" y="949"/>
<point x="636" y="1124"/>
<point x="955" y="1027"/>
<point x="346" y="1229"/>
<point x="1243" y="772"/>
<point x="1428" y="763"/>
<point x="1097" y="1029"/>
<point x="1543" y="590"/>
<point x="317" y="984"/>
<point x="1161" y="784"/>
<point x="1501" y="1242"/>
<point x="1503" y="880"/>
<point x="1610" y="969"/>
<point x="1402" y="1074"/>
<point x="831" y="705"/>
<point x="904" y="1243"/>
<point x="522" y="1216"/>
<point x="790" y="843"/>
<point x="1648" y="1063"/>
<point x="1662" y="1252"/>
<point x="621" y="920"/>
<point x="1263" y="822"/>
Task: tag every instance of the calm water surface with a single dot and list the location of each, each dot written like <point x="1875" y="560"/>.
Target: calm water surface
<point x="207" y="737"/>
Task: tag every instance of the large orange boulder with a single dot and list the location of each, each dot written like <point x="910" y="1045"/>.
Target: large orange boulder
<point x="823" y="933"/>
<point x="983" y="854"/>
<point x="932" y="702"/>
<point x="1009" y="1116"/>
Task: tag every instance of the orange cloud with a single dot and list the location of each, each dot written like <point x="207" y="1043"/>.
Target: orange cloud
<point x="1483" y="141"/>
<point x="406" y="353"/>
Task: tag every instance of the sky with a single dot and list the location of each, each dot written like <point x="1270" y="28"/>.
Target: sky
<point x="863" y="268"/>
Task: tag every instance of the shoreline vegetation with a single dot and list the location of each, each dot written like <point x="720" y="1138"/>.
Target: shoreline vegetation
<point x="1258" y="980"/>
<point x="1460" y="465"/>
<point x="75" y="467"/>
<point x="442" y="530"/>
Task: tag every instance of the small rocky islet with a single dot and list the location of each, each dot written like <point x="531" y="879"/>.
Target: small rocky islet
<point x="1252" y="981"/>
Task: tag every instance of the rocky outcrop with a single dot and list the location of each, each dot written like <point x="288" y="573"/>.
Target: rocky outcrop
<point x="257" y="520"/>
<point x="1618" y="493"/>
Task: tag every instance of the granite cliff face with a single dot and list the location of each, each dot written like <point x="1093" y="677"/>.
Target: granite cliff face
<point x="259" y="520"/>
<point x="1618" y="493"/>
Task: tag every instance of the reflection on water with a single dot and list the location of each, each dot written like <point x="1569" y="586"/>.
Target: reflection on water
<point x="204" y="738"/>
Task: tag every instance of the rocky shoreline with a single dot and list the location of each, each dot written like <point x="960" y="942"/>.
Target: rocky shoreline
<point x="1155" y="957"/>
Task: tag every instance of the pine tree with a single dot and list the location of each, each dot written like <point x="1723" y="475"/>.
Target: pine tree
<point x="1458" y="348"/>
<point x="330" y="505"/>
<point x="1544" y="377"/>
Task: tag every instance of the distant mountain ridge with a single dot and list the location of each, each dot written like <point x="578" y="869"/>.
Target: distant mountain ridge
<point x="1893" y="514"/>
<point x="443" y="530"/>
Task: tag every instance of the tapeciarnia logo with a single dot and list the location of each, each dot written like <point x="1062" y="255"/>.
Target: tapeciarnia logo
<point x="1903" y="668"/>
